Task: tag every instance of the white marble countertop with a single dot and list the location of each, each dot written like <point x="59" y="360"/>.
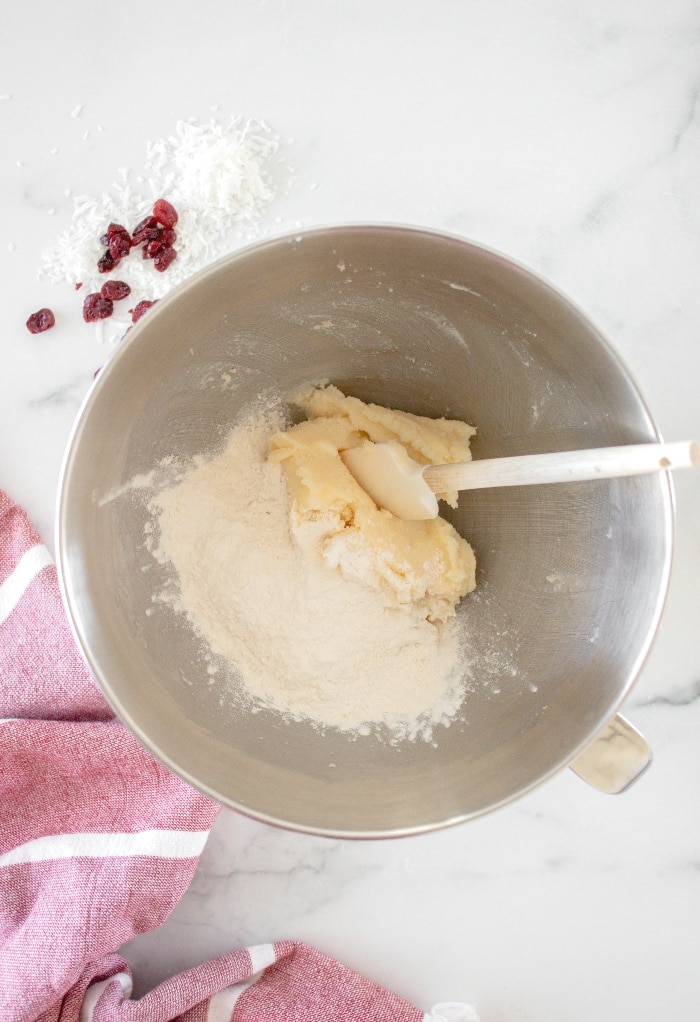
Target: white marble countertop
<point x="566" y="134"/>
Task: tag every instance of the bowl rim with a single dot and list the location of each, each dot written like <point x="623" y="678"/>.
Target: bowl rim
<point x="133" y="335"/>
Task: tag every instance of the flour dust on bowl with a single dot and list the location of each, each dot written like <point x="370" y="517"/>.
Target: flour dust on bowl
<point x="571" y="578"/>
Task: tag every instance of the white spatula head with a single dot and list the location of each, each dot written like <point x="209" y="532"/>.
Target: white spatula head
<point x="393" y="479"/>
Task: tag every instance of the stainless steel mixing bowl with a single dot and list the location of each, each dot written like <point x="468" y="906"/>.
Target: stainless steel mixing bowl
<point x="571" y="578"/>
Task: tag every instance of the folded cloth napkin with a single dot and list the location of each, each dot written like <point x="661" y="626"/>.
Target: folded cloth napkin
<point x="98" y="842"/>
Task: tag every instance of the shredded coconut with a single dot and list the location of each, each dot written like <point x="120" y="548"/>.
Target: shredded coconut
<point x="214" y="174"/>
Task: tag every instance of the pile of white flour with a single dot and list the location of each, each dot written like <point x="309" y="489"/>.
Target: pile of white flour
<point x="298" y="636"/>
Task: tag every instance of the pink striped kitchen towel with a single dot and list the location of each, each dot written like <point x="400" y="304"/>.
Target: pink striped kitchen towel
<point x="98" y="842"/>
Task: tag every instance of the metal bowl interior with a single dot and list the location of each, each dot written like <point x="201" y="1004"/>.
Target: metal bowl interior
<point x="571" y="578"/>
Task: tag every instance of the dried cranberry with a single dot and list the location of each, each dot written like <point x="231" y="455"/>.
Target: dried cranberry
<point x="152" y="248"/>
<point x="110" y="232"/>
<point x="164" y="258"/>
<point x="141" y="309"/>
<point x="117" y="240"/>
<point x="106" y="262"/>
<point x="144" y="230"/>
<point x="164" y="213"/>
<point x="164" y="237"/>
<point x="115" y="290"/>
<point x="40" y="321"/>
<point x="96" y="306"/>
<point x="115" y="230"/>
<point x="78" y="285"/>
<point x="119" y="246"/>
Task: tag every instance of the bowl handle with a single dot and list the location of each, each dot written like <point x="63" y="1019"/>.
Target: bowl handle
<point x="615" y="758"/>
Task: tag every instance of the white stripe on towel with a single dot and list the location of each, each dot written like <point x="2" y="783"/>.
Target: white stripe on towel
<point x="95" y="991"/>
<point x="15" y="585"/>
<point x="262" y="956"/>
<point x="166" y="844"/>
<point x="221" y="1005"/>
